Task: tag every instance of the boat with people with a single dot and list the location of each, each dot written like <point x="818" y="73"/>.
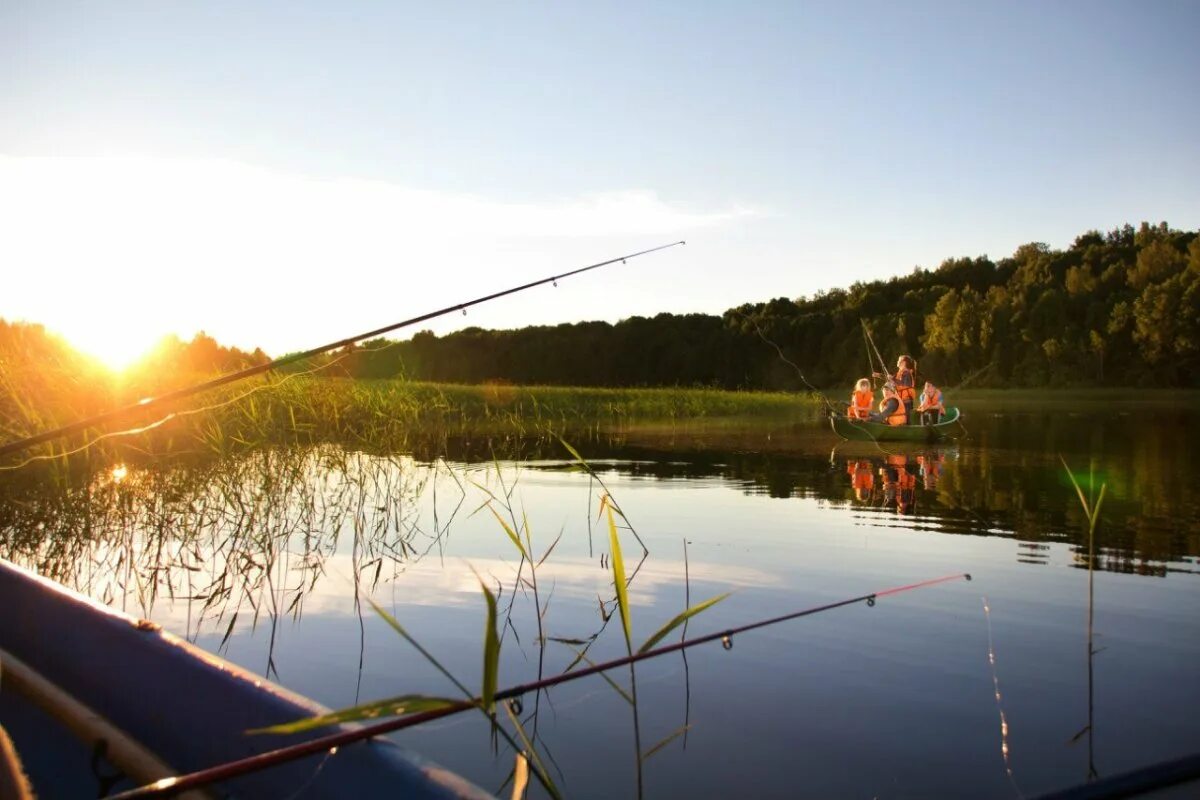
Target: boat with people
<point x="902" y="415"/>
<point x="865" y="430"/>
<point x="96" y="701"/>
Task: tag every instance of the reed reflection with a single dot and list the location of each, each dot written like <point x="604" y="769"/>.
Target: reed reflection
<point x="206" y="545"/>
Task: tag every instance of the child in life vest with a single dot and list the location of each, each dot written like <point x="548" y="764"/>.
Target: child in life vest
<point x="861" y="400"/>
<point x="904" y="381"/>
<point x="931" y="407"/>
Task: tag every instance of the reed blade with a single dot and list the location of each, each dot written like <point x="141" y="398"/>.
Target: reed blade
<point x="618" y="565"/>
<point x="389" y="707"/>
<point x="679" y="619"/>
<point x="491" y="654"/>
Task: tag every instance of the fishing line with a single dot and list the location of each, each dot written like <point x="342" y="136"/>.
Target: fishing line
<point x="171" y="786"/>
<point x="177" y="394"/>
<point x="1004" y="749"/>
<point x="789" y="362"/>
<point x="830" y="407"/>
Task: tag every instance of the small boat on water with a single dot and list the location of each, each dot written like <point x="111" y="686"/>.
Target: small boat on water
<point x="859" y="430"/>
<point x="96" y="701"/>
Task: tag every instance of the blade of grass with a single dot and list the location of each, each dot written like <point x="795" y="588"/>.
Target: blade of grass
<point x="539" y="773"/>
<point x="618" y="565"/>
<point x="679" y="619"/>
<point x="550" y="549"/>
<point x="1087" y="508"/>
<point x="398" y="628"/>
<point x="539" y="769"/>
<point x="520" y="777"/>
<point x="1096" y="509"/>
<point x="665" y="741"/>
<point x="516" y="540"/>
<point x="581" y="656"/>
<point x="392" y="706"/>
<point x="491" y="654"/>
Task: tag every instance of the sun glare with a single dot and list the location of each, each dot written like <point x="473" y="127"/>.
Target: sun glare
<point x="117" y="349"/>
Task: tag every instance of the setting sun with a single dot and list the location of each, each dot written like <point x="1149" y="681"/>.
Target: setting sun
<point x="116" y="347"/>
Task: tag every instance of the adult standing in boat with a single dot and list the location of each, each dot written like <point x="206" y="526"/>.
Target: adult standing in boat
<point x="905" y="380"/>
<point x="891" y="409"/>
<point x="932" y="408"/>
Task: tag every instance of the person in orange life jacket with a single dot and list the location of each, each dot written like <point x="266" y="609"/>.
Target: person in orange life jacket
<point x="904" y="381"/>
<point x="931" y="407"/>
<point x="891" y="409"/>
<point x="861" y="400"/>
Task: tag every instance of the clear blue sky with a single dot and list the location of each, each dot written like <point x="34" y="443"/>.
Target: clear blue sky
<point x="796" y="146"/>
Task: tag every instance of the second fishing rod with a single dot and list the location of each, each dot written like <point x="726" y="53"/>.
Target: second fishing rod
<point x="153" y="402"/>
<point x="168" y="787"/>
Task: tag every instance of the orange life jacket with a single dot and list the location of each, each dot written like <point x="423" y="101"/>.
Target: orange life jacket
<point x="897" y="417"/>
<point x="860" y="404"/>
<point x="935" y="401"/>
<point x="907" y="394"/>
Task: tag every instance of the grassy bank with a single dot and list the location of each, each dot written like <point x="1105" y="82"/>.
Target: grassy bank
<point x="393" y="414"/>
<point x="385" y="410"/>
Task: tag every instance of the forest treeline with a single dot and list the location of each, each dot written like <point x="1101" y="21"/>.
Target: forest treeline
<point x="1114" y="309"/>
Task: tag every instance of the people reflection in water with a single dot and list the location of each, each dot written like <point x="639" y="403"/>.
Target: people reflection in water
<point x="930" y="468"/>
<point x="903" y="484"/>
<point x="897" y="480"/>
<point x="862" y="479"/>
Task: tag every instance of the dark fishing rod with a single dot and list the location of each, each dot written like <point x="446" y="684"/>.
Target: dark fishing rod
<point x="152" y="402"/>
<point x="170" y="786"/>
<point x="882" y="363"/>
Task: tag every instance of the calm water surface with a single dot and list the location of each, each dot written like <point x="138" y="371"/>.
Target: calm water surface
<point x="260" y="558"/>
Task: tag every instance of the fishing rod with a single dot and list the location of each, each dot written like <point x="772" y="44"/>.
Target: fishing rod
<point x="882" y="363"/>
<point x="178" y="394"/>
<point x="170" y="786"/>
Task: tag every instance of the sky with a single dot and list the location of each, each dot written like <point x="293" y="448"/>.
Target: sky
<point x="285" y="174"/>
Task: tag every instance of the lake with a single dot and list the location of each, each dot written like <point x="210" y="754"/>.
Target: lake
<point x="982" y="688"/>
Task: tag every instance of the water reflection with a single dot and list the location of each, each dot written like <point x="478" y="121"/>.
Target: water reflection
<point x="898" y="478"/>
<point x="225" y="550"/>
<point x="951" y="491"/>
<point x="202" y="544"/>
<point x="235" y="537"/>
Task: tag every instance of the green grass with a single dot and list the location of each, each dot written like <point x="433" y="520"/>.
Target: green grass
<point x="393" y="414"/>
